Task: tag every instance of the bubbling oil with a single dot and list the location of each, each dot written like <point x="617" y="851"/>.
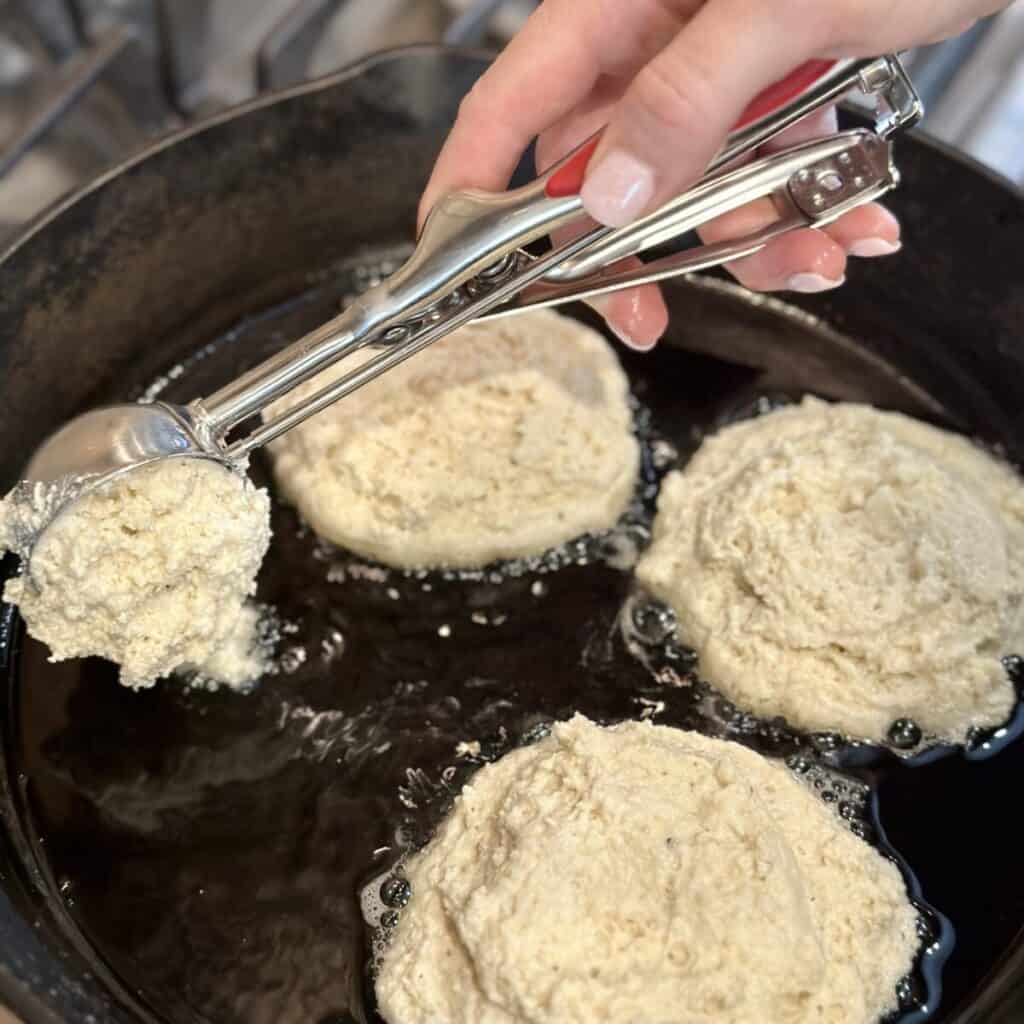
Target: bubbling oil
<point x="237" y="857"/>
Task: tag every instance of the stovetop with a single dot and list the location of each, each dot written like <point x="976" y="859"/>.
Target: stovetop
<point x="83" y="83"/>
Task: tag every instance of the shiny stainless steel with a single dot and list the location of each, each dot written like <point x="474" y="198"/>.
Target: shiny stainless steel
<point x="499" y="290"/>
<point x="102" y="442"/>
<point x="97" y="447"/>
<point x="882" y="77"/>
<point x="869" y="166"/>
<point x="816" y="194"/>
<point x="844" y="76"/>
<point x="470" y="263"/>
<point x="468" y="233"/>
<point x="465" y="234"/>
<point x="900" y="106"/>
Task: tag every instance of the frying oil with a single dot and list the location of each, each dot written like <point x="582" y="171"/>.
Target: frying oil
<point x="236" y="857"/>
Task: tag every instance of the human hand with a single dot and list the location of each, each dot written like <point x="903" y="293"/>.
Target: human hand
<point x="668" y="79"/>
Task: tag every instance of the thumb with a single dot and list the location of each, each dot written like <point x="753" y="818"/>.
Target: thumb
<point x="677" y="112"/>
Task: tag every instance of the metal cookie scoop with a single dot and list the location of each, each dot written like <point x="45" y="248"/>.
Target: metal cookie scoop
<point x="470" y="264"/>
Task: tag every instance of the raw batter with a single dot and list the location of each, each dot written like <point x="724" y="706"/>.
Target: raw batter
<point x="152" y="572"/>
<point x="846" y="568"/>
<point x="644" y="874"/>
<point x="499" y="441"/>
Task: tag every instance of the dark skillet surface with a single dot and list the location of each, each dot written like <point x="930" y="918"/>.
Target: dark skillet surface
<point x="212" y="846"/>
<point x="152" y="264"/>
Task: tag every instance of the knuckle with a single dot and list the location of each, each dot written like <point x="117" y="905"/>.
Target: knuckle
<point x="673" y="96"/>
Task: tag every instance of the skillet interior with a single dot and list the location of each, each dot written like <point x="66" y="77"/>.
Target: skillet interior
<point x="184" y="824"/>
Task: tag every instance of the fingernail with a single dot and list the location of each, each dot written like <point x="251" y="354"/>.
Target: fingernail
<point x="601" y="305"/>
<point x="813" y="283"/>
<point x="874" y="247"/>
<point x="628" y="340"/>
<point x="618" y="189"/>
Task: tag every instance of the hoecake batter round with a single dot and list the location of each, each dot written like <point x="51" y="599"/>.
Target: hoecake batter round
<point x="151" y="571"/>
<point x="845" y="568"/>
<point x="500" y="441"/>
<point x="644" y="874"/>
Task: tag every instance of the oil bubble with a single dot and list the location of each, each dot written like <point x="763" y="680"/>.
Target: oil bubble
<point x="904" y="734"/>
<point x="395" y="892"/>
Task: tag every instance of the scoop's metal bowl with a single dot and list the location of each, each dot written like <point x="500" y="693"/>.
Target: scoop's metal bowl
<point x="104" y="443"/>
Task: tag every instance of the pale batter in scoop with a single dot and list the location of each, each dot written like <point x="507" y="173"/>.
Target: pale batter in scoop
<point x="502" y="440"/>
<point x="846" y="568"/>
<point x="644" y="874"/>
<point x="152" y="571"/>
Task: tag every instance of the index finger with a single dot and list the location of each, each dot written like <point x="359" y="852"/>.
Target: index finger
<point x="547" y="69"/>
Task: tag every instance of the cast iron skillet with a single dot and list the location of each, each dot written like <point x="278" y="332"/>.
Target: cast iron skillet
<point x="213" y="234"/>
